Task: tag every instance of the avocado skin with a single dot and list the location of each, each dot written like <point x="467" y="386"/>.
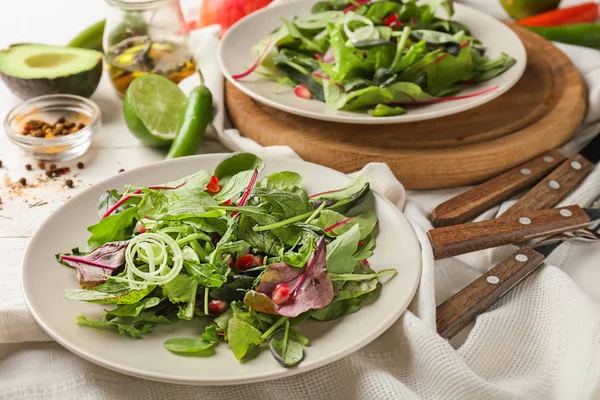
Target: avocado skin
<point x="82" y="84"/>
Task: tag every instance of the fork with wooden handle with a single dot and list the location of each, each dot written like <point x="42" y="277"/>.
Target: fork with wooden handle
<point x="455" y="240"/>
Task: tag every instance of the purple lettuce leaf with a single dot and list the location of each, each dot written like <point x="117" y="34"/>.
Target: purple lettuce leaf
<point x="311" y="288"/>
<point x="92" y="268"/>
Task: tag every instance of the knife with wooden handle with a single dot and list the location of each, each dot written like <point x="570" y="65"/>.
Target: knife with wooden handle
<point x="462" y="308"/>
<point x="451" y="241"/>
<point x="556" y="186"/>
<point x="565" y="175"/>
<point x="480" y="198"/>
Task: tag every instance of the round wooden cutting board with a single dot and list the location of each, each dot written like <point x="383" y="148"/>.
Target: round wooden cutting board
<point x="539" y="113"/>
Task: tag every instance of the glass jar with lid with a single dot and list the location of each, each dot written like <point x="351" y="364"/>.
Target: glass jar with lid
<point x="146" y="36"/>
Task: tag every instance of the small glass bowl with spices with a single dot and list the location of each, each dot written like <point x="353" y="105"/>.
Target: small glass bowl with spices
<point x="56" y="127"/>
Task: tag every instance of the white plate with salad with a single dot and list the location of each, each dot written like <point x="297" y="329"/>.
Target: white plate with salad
<point x="371" y="62"/>
<point x="221" y="269"/>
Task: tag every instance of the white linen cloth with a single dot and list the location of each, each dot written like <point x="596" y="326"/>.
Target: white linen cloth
<point x="541" y="341"/>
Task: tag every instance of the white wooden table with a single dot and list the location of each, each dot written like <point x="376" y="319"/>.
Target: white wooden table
<point x="113" y="148"/>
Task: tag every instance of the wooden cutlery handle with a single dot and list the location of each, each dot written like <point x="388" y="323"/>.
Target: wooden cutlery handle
<point x="451" y="241"/>
<point x="459" y="310"/>
<point x="474" y="201"/>
<point x="555" y="187"/>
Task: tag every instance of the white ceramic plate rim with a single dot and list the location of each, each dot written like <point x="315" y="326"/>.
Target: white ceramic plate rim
<point x="450" y="107"/>
<point x="256" y="377"/>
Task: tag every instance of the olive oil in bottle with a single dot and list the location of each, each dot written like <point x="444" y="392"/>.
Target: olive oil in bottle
<point x="139" y="55"/>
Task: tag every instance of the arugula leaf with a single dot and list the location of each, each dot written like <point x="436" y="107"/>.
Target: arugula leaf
<point x="210" y="334"/>
<point x="158" y="205"/>
<point x="110" y="292"/>
<point x="282" y="204"/>
<point x="236" y="163"/>
<point x="188" y="185"/>
<point x="486" y="68"/>
<point x="353" y="187"/>
<point x="222" y="322"/>
<point x="265" y="242"/>
<point x="110" y="198"/>
<point x="285" y="180"/>
<point x="133" y="310"/>
<point x="350" y="298"/>
<point x="234" y="186"/>
<point x="366" y="250"/>
<point x="242" y="335"/>
<point x="299" y="259"/>
<point x="113" y="228"/>
<point x="340" y="252"/>
<point x="206" y="274"/>
<point x="182" y="289"/>
<point x="198" y="346"/>
<point x="380" y="10"/>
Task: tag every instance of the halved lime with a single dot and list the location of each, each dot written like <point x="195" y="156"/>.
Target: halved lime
<point x="153" y="108"/>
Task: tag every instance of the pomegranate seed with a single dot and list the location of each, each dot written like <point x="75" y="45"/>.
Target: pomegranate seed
<point x="318" y="56"/>
<point x="392" y="20"/>
<point x="302" y="92"/>
<point x="259" y="260"/>
<point x="281" y="293"/>
<point x="364" y="261"/>
<point x="139" y="227"/>
<point x="217" y="306"/>
<point x="361" y="243"/>
<point x="244" y="262"/>
<point x="213" y="186"/>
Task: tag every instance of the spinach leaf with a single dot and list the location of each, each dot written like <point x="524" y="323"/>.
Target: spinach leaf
<point x="288" y="351"/>
<point x="198" y="346"/>
<point x="365" y="251"/>
<point x="285" y="180"/>
<point x="113" y="228"/>
<point x="486" y="68"/>
<point x="236" y="185"/>
<point x="110" y="198"/>
<point x="281" y="203"/>
<point x="335" y="224"/>
<point x="372" y="43"/>
<point x="381" y="110"/>
<point x="352" y="188"/>
<point x="340" y="252"/>
<point x="378" y="11"/>
<point x="236" y="163"/>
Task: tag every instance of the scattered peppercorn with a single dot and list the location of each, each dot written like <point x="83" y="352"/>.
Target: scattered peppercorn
<point x="23" y="181"/>
<point x="41" y="165"/>
<point x="121" y="170"/>
<point x="80" y="165"/>
<point x="52" y="167"/>
<point x="62" y="127"/>
<point x="69" y="183"/>
<point x="28" y="167"/>
<point x="0" y="163"/>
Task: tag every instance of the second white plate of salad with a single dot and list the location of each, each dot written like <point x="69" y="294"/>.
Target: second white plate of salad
<point x="371" y="62"/>
<point x="221" y="269"/>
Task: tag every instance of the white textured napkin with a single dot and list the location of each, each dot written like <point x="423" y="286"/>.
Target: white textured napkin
<point x="541" y="341"/>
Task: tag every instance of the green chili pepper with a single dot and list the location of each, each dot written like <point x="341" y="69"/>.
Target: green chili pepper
<point x="90" y="38"/>
<point x="586" y="35"/>
<point x="198" y="112"/>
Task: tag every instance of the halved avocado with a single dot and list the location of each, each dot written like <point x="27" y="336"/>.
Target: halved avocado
<point x="31" y="70"/>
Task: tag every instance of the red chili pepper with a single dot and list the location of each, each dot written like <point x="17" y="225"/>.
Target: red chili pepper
<point x="213" y="186"/>
<point x="244" y="262"/>
<point x="392" y="20"/>
<point x="586" y="12"/>
<point x="226" y="203"/>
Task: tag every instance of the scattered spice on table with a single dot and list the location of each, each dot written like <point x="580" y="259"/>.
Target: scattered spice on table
<point x="0" y="163"/>
<point x="23" y="182"/>
<point x="69" y="183"/>
<point x="28" y="167"/>
<point x="121" y="170"/>
<point x="41" y="165"/>
<point x="43" y="129"/>
<point x="80" y="165"/>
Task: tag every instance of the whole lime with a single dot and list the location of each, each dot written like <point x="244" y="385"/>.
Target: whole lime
<point x="153" y="108"/>
<point x="519" y="9"/>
